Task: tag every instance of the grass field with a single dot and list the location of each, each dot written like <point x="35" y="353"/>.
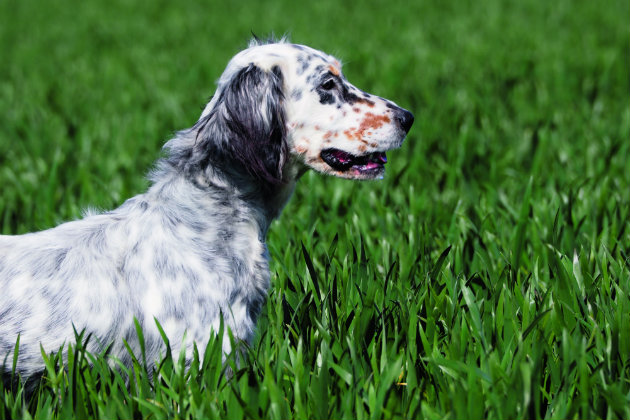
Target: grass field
<point x="488" y="274"/>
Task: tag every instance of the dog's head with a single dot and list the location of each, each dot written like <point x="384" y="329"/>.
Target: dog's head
<point x="282" y="108"/>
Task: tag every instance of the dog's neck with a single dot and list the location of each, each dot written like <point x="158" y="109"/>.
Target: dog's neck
<point x="212" y="188"/>
<point x="266" y="205"/>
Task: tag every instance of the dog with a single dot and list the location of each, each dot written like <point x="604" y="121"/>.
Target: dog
<point x="191" y="250"/>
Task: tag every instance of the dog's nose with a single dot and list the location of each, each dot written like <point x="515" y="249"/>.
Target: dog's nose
<point x="405" y="118"/>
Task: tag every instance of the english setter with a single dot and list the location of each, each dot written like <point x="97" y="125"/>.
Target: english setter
<point x="193" y="246"/>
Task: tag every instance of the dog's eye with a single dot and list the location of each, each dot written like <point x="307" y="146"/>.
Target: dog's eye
<point x="328" y="84"/>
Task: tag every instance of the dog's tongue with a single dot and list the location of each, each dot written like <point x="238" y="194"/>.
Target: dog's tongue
<point x="371" y="165"/>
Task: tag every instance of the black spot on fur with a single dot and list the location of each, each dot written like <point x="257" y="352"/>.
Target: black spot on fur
<point x="226" y="235"/>
<point x="5" y="313"/>
<point x="234" y="295"/>
<point x="46" y="292"/>
<point x="296" y="95"/>
<point x="315" y="77"/>
<point x="304" y="61"/>
<point x="325" y="97"/>
<point x="238" y="268"/>
<point x="347" y="96"/>
<point x="60" y="257"/>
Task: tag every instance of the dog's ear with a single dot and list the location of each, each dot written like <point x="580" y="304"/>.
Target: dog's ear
<point x="246" y="126"/>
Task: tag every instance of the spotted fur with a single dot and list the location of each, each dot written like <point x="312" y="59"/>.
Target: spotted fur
<point x="193" y="246"/>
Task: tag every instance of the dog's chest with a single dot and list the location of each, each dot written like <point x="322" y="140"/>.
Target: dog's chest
<point x="198" y="273"/>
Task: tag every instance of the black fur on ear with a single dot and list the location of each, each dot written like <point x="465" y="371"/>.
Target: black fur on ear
<point x="245" y="130"/>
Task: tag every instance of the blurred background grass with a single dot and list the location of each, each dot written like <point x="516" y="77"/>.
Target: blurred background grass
<point x="519" y="155"/>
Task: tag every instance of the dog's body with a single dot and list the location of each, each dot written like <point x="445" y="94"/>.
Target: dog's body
<point x="193" y="246"/>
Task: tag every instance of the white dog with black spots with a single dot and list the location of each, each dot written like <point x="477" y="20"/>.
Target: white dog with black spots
<point x="192" y="248"/>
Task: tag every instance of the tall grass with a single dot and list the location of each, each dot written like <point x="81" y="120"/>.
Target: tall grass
<point x="486" y="276"/>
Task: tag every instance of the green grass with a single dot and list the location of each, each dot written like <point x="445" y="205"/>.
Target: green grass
<point x="487" y="276"/>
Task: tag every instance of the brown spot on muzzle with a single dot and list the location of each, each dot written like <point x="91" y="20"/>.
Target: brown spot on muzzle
<point x="370" y="121"/>
<point x="373" y="121"/>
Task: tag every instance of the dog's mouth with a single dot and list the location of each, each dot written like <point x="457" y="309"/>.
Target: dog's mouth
<point x="371" y="164"/>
